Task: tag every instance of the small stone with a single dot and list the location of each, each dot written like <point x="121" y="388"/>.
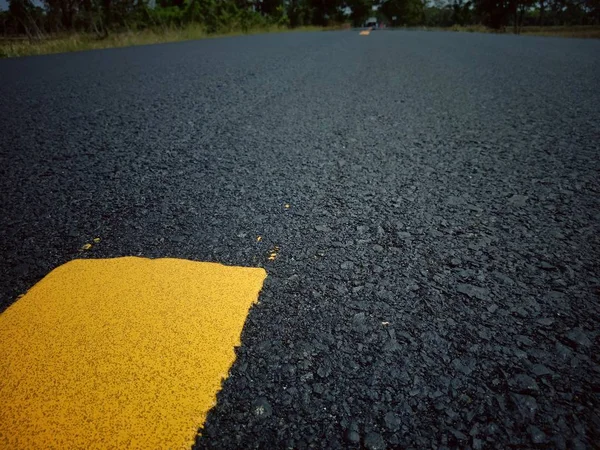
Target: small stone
<point x="359" y="322"/>
<point x="292" y="279"/>
<point x="536" y="435"/>
<point x="261" y="408"/>
<point x="519" y="353"/>
<point x="526" y="405"/>
<point x="412" y="287"/>
<point x="466" y="273"/>
<point x="539" y="370"/>
<point x="577" y="444"/>
<point x="323" y="228"/>
<point x="378" y="248"/>
<point x="518" y="200"/>
<point x="523" y="383"/>
<point x="459" y="434"/>
<point x="347" y="265"/>
<point x="578" y="337"/>
<point x="546" y="321"/>
<point x="492" y="308"/>
<point x="563" y="352"/>
<point x="455" y="262"/>
<point x="473" y="291"/>
<point x="352" y="434"/>
<point x="465" y="368"/>
<point x="484" y="333"/>
<point x="324" y="371"/>
<point x="522" y="312"/>
<point x="504" y="278"/>
<point x="385" y="295"/>
<point x="546" y="266"/>
<point x="404" y="235"/>
<point x="374" y="441"/>
<point x="391" y="345"/>
<point x="454" y="201"/>
<point x="524" y="340"/>
<point x="392" y="421"/>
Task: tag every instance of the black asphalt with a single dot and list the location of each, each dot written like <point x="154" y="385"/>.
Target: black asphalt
<point x="438" y="282"/>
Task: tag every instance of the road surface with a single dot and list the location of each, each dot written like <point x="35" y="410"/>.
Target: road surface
<point x="426" y="206"/>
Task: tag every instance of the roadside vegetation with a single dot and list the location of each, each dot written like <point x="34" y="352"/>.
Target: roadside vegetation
<point x="572" y="32"/>
<point x="565" y="31"/>
<point x="79" y="41"/>
<point x="50" y="26"/>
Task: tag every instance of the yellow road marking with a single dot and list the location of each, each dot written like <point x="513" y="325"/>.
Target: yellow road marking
<point x="273" y="253"/>
<point x="365" y="32"/>
<point x="120" y="353"/>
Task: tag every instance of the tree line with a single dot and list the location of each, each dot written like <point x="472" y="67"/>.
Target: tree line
<point x="24" y="17"/>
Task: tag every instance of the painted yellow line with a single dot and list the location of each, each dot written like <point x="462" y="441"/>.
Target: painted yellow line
<point x="120" y="353"/>
<point x="365" y="33"/>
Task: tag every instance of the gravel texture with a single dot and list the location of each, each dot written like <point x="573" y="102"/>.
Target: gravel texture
<point x="436" y="282"/>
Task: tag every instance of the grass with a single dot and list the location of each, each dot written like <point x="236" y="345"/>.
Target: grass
<point x="577" y="31"/>
<point x="470" y="29"/>
<point x="592" y="32"/>
<point x="75" y="42"/>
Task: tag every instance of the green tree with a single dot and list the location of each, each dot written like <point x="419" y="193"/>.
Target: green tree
<point x="63" y="10"/>
<point x="461" y="12"/>
<point x="300" y="12"/>
<point x="493" y="13"/>
<point x="325" y="11"/>
<point x="361" y="9"/>
<point x="25" y="17"/>
<point x="408" y="12"/>
<point x="438" y="13"/>
<point x="270" y="7"/>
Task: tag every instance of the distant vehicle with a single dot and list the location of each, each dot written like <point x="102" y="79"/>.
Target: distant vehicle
<point x="371" y="22"/>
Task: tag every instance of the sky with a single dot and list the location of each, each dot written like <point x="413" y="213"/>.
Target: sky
<point x="4" y="4"/>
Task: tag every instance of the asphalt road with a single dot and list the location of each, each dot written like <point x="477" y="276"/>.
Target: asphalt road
<point x="437" y="279"/>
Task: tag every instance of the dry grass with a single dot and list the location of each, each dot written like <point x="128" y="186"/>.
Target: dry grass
<point x="579" y="31"/>
<point x="471" y="29"/>
<point x="592" y="32"/>
<point x="75" y="42"/>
